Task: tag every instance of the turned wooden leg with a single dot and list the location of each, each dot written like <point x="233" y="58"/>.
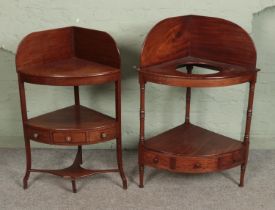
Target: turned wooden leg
<point x="243" y="167"/>
<point x="119" y="163"/>
<point x="141" y="170"/>
<point x="28" y="163"/>
<point x="247" y="131"/>
<point x="141" y="174"/>
<point x="141" y="140"/>
<point x="79" y="150"/>
<point x="74" y="186"/>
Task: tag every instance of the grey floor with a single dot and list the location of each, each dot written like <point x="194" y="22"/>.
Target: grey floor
<point x="163" y="190"/>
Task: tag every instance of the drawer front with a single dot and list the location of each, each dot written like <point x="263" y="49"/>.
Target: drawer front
<point x="179" y="163"/>
<point x="197" y="164"/>
<point x="102" y="135"/>
<point x="230" y="160"/>
<point x="38" y="135"/>
<point x="69" y="137"/>
<point x="192" y="164"/>
<point x="156" y="160"/>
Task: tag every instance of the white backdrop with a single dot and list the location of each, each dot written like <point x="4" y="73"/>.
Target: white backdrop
<point x="128" y="21"/>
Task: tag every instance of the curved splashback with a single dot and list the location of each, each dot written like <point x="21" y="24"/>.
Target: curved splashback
<point x="198" y="36"/>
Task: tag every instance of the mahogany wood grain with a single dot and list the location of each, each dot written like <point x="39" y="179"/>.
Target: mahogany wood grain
<point x="72" y="118"/>
<point x="201" y="37"/>
<point x="72" y="71"/>
<point x="44" y="47"/>
<point x="195" y="41"/>
<point x="70" y="56"/>
<point x="38" y="134"/>
<point x="61" y="137"/>
<point x="102" y="135"/>
<point x="227" y="74"/>
<point x="72" y="125"/>
<point x="192" y="164"/>
<point x="96" y="46"/>
<point x="191" y="140"/>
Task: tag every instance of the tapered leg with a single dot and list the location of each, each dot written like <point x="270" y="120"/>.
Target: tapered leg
<point x="119" y="163"/>
<point x="141" y="140"/>
<point x="27" y="140"/>
<point x="28" y="163"/>
<point x="247" y="131"/>
<point x="243" y="168"/>
<point x="118" y="140"/>
<point x="141" y="169"/>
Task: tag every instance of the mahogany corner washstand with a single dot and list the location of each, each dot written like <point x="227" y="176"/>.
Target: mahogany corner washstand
<point x="70" y="56"/>
<point x="195" y="41"/>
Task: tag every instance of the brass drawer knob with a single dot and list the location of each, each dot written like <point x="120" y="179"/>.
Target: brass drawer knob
<point x="103" y="135"/>
<point x="35" y="135"/>
<point x="68" y="139"/>
<point x="155" y="160"/>
<point x="197" y="165"/>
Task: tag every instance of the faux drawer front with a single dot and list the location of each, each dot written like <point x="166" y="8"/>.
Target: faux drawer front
<point x="38" y="135"/>
<point x="69" y="137"/>
<point x="231" y="159"/>
<point x="156" y="160"/>
<point x="197" y="164"/>
<point x="102" y="135"/>
<point x="179" y="163"/>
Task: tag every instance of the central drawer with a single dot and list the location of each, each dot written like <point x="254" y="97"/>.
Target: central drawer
<point x="65" y="137"/>
<point x="183" y="164"/>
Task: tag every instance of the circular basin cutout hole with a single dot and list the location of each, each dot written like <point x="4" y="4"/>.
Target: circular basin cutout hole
<point x="201" y="69"/>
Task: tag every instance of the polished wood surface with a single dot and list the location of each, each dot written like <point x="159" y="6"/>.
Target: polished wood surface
<point x="192" y="149"/>
<point x="198" y="41"/>
<point x="192" y="164"/>
<point x="70" y="56"/>
<point x="186" y="42"/>
<point x="98" y="47"/>
<point x="72" y="118"/>
<point x="72" y="71"/>
<point x="201" y="37"/>
<point x="71" y="126"/>
<point x="226" y="74"/>
<point x="192" y="140"/>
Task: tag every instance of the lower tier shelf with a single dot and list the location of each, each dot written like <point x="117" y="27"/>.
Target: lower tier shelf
<point x="75" y="171"/>
<point x="192" y="149"/>
<point x="74" y="125"/>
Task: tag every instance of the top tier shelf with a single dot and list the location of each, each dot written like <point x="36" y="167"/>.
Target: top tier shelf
<point x="72" y="71"/>
<point x="206" y="42"/>
<point x="226" y="74"/>
<point x="68" y="56"/>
